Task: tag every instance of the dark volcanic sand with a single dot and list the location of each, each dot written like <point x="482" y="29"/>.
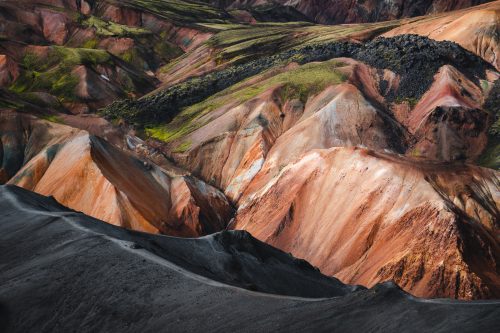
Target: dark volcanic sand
<point x="62" y="271"/>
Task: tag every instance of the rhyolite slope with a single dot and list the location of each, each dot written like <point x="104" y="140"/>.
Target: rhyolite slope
<point x="117" y="185"/>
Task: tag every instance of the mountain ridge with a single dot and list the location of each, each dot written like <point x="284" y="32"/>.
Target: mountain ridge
<point x="361" y="145"/>
<point x="119" y="272"/>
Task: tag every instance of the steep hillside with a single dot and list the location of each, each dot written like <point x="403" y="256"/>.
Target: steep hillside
<point x="87" y="54"/>
<point x="90" y="175"/>
<point x="405" y="95"/>
<point x="63" y="271"/>
<point x="431" y="228"/>
<point x="233" y="258"/>
<point x="399" y="104"/>
<point x="346" y="11"/>
<point x="353" y="146"/>
<point x="475" y="29"/>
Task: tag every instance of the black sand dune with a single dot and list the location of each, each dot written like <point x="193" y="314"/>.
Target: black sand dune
<point x="61" y="271"/>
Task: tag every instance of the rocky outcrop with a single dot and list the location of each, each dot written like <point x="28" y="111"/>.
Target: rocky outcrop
<point x="449" y="122"/>
<point x="231" y="144"/>
<point x="257" y="124"/>
<point x="250" y="150"/>
<point x="54" y="26"/>
<point x="62" y="48"/>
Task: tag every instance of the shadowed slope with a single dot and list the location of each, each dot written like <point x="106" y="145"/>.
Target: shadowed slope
<point x="347" y="11"/>
<point x="72" y="272"/>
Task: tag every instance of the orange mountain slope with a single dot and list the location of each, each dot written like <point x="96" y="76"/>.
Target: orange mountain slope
<point x="367" y="217"/>
<point x="88" y="174"/>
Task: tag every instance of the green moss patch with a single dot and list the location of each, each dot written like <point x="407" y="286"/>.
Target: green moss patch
<point x="91" y="44"/>
<point x="53" y="118"/>
<point x="80" y="56"/>
<point x="53" y="74"/>
<point x="234" y="43"/>
<point x="183" y="147"/>
<point x="411" y="101"/>
<point x="179" y="11"/>
<point x="299" y="83"/>
<point x="491" y="156"/>
<point x="111" y="29"/>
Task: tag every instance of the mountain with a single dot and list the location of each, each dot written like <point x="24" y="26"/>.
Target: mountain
<point x="346" y="11"/>
<point x="62" y="270"/>
<point x="475" y="29"/>
<point x="91" y="175"/>
<point x="369" y="149"/>
<point x="431" y="228"/>
<point x="407" y="96"/>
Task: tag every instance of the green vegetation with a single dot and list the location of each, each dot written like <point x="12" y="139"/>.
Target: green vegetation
<point x="236" y="43"/>
<point x="8" y="103"/>
<point x="149" y="50"/>
<point x="150" y="53"/>
<point x="53" y="73"/>
<point x="491" y="156"/>
<point x="165" y="105"/>
<point x="78" y="56"/>
<point x="485" y="85"/>
<point x="24" y="101"/>
<point x="299" y="83"/>
<point x="183" y="147"/>
<point x="53" y="118"/>
<point x="30" y="61"/>
<point x="90" y="44"/>
<point x="111" y="29"/>
<point x="62" y="85"/>
<point x="222" y="26"/>
<point x="179" y="11"/>
<point x="416" y="152"/>
<point x="412" y="101"/>
<point x="166" y="50"/>
<point x="132" y="56"/>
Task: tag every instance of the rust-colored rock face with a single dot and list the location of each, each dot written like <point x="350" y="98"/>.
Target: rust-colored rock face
<point x="365" y="218"/>
<point x="9" y="70"/>
<point x="54" y="27"/>
<point x="88" y="174"/>
<point x="448" y="121"/>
